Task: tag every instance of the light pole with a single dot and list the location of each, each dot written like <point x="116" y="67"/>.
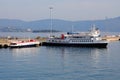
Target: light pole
<point x="51" y="20"/>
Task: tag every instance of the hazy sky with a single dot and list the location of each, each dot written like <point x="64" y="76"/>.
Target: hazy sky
<point x="29" y="10"/>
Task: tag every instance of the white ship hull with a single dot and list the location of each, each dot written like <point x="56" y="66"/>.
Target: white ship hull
<point x="24" y="44"/>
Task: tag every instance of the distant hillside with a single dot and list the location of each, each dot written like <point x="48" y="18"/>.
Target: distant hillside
<point x="112" y="24"/>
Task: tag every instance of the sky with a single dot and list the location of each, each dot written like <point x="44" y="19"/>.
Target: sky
<point x="29" y="10"/>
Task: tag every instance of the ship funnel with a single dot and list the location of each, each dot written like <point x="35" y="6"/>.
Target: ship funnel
<point x="62" y="36"/>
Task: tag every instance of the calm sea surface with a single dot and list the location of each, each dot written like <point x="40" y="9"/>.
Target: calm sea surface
<point x="60" y="63"/>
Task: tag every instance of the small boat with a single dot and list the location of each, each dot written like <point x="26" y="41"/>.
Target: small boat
<point x="26" y="43"/>
<point x="83" y="39"/>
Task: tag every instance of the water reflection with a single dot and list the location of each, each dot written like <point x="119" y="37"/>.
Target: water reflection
<point x="80" y="55"/>
<point x="94" y="52"/>
<point x="17" y="52"/>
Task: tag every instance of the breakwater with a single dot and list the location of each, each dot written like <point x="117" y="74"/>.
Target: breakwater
<point x="4" y="43"/>
<point x="111" y="38"/>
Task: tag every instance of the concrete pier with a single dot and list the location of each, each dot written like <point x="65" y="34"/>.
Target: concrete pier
<point x="111" y="38"/>
<point x="4" y="43"/>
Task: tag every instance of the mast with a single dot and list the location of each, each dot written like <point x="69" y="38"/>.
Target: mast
<point x="72" y="28"/>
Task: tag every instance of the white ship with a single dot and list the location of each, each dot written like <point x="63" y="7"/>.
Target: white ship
<point x="27" y="43"/>
<point x="83" y="39"/>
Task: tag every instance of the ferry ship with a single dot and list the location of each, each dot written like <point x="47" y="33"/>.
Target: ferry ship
<point x="82" y="39"/>
<point x="27" y="43"/>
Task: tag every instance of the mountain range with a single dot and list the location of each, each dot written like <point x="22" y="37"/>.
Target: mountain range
<point x="108" y="25"/>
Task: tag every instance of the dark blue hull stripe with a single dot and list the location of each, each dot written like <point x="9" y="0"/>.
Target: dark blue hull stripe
<point x="100" y="45"/>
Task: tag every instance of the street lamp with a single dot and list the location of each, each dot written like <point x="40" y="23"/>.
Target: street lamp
<point x="51" y="20"/>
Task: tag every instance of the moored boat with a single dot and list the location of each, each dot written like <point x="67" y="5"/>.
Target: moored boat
<point x="85" y="39"/>
<point x="26" y="43"/>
